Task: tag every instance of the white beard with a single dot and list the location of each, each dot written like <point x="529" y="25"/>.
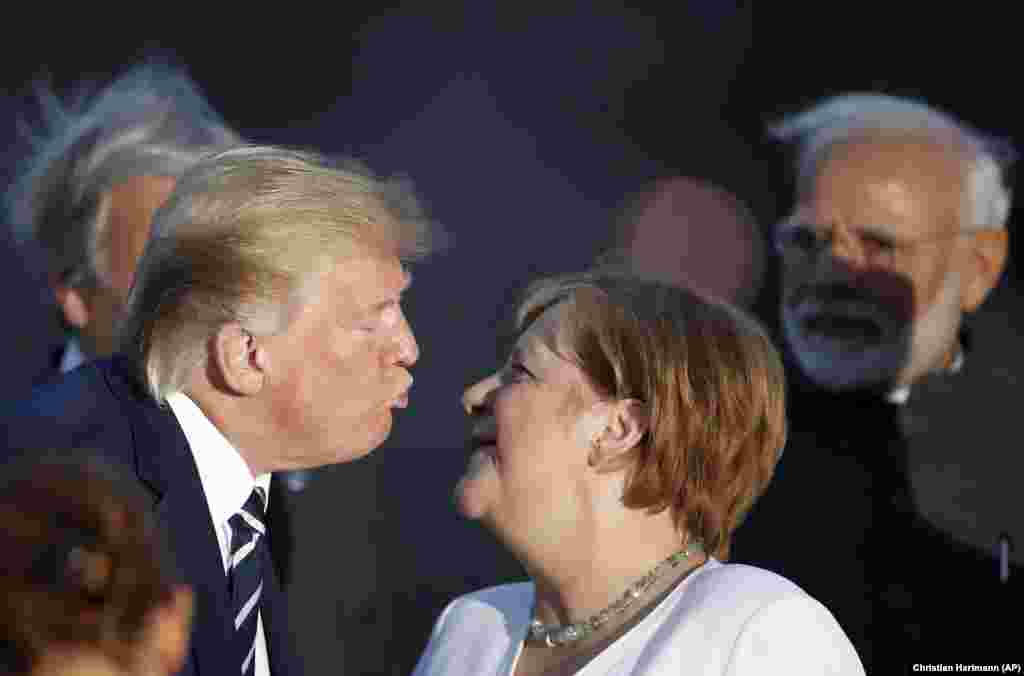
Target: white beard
<point x="905" y="352"/>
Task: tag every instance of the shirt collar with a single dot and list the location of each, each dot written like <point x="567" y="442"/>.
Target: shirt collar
<point x="226" y="478"/>
<point x="901" y="395"/>
<point x="73" y="356"/>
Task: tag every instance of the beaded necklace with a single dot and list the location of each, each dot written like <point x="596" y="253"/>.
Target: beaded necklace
<point x="554" y="635"/>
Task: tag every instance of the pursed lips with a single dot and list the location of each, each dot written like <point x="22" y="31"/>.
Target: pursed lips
<point x="402" y="400"/>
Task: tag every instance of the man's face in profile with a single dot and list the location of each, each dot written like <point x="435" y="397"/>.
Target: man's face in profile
<point x="342" y="365"/>
<point x="122" y="235"/>
<point x="873" y="260"/>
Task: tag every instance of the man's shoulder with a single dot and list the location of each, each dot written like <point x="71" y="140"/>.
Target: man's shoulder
<point x="90" y="387"/>
<point x="88" y="408"/>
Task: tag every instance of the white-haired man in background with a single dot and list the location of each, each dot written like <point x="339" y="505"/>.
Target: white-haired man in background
<point x="103" y="163"/>
<point x="899" y="231"/>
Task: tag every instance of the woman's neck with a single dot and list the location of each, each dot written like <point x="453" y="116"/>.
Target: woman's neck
<point x="588" y="571"/>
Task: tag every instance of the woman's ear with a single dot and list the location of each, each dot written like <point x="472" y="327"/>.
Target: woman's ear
<point x="624" y="424"/>
<point x="241" y="363"/>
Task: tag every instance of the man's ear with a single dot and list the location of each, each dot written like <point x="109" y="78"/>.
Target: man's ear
<point x="625" y="423"/>
<point x="987" y="256"/>
<point x="240" y="361"/>
<point x="72" y="304"/>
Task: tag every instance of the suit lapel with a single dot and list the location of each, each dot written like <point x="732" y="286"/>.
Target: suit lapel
<point x="165" y="464"/>
<point x="280" y="651"/>
<point x="186" y="518"/>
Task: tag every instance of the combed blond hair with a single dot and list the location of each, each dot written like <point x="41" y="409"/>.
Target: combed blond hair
<point x="244" y="238"/>
<point x="710" y="379"/>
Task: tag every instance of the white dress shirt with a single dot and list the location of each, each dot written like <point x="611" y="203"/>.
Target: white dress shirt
<point x="72" y="357"/>
<point x="722" y="620"/>
<point x="227" y="483"/>
<point x="901" y="395"/>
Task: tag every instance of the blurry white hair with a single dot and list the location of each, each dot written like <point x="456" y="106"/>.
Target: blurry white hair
<point x="151" y="121"/>
<point x="838" y="118"/>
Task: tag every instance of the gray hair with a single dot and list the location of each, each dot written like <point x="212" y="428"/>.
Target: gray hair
<point x="245" y="237"/>
<point x="152" y="121"/>
<point x="839" y="118"/>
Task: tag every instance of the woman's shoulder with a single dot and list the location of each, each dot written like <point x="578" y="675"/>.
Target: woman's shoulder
<point x="731" y="595"/>
<point x="759" y="618"/>
<point x="744" y="581"/>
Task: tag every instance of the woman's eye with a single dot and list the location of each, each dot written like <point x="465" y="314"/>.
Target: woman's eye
<point x="518" y="371"/>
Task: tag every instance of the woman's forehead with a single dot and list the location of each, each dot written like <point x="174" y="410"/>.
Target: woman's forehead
<point x="546" y="332"/>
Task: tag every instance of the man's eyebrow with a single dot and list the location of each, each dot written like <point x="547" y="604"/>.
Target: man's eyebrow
<point x="384" y="304"/>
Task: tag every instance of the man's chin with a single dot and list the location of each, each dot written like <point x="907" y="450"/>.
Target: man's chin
<point x="359" y="449"/>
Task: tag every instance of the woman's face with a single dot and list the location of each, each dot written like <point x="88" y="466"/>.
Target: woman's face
<point x="529" y="438"/>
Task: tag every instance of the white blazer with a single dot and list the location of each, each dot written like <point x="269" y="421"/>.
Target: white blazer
<point x="723" y="619"/>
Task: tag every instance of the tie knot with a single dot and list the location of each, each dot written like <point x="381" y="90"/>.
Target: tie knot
<point x="257" y="503"/>
<point x="250" y="516"/>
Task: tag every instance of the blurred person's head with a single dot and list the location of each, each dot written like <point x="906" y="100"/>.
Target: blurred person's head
<point x="100" y="168"/>
<point x="624" y="400"/>
<point x="270" y="293"/>
<point x="86" y="586"/>
<point x="693" y="233"/>
<point x="899" y="228"/>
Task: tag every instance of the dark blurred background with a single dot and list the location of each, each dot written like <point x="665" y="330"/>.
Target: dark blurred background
<point x="525" y="130"/>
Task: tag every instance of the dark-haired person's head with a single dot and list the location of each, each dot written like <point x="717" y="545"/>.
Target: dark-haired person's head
<point x="86" y="585"/>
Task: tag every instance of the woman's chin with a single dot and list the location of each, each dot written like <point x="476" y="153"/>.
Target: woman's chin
<point x="469" y="499"/>
<point x="477" y="487"/>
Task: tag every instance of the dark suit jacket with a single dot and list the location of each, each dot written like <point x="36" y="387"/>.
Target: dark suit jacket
<point x="279" y="511"/>
<point x="840" y="519"/>
<point x="100" y="408"/>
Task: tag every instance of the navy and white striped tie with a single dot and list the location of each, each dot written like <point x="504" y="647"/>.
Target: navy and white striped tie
<point x="245" y="574"/>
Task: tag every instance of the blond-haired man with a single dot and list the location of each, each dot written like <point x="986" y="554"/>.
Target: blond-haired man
<point x="264" y="332"/>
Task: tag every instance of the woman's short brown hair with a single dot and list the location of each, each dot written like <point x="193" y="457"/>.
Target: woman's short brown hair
<point x="82" y="565"/>
<point x="710" y="378"/>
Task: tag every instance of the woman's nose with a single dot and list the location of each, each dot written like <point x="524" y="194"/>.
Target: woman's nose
<point x="478" y="395"/>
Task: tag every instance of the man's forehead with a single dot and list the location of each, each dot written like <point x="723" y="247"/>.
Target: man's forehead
<point x="904" y="184"/>
<point x="371" y="279"/>
<point x="931" y="163"/>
